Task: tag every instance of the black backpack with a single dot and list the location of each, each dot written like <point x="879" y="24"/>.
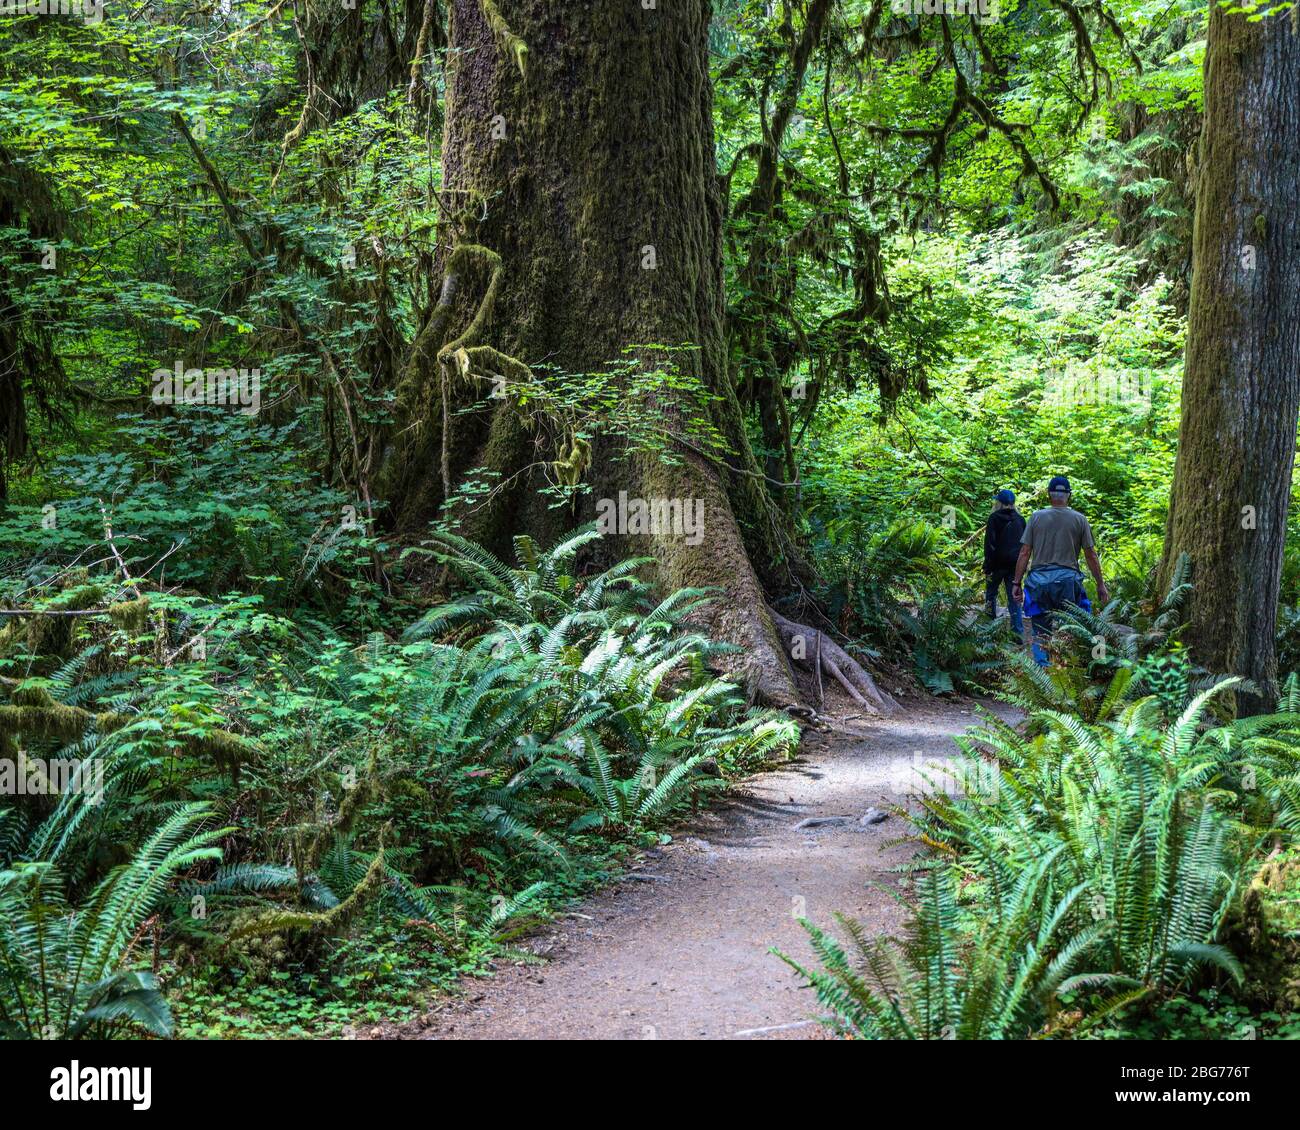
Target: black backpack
<point x="1002" y="543"/>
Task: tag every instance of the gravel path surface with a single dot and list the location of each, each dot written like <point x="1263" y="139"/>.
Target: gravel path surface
<point x="679" y="949"/>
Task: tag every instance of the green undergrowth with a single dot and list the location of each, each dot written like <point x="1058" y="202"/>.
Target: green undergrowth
<point x="385" y="972"/>
<point x="282" y="830"/>
<point x="1118" y="864"/>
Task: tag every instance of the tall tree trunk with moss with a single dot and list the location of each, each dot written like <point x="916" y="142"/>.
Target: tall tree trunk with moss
<point x="1241" y="389"/>
<point x="579" y="174"/>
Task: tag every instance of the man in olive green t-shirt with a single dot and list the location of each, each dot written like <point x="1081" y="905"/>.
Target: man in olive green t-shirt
<point x="1053" y="539"/>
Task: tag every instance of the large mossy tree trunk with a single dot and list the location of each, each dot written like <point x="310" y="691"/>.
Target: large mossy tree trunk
<point x="579" y="148"/>
<point x="1241" y="388"/>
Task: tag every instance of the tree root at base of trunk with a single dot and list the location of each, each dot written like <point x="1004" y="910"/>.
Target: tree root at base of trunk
<point x="817" y="652"/>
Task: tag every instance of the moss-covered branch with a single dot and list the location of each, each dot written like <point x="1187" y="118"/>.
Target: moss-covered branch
<point x="515" y="47"/>
<point x="316" y="926"/>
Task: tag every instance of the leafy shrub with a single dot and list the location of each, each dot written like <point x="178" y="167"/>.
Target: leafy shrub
<point x="955" y="976"/>
<point x="457" y="781"/>
<point x="72" y="971"/>
<point x="1098" y="870"/>
<point x="226" y="495"/>
<point x="951" y="648"/>
<point x="894" y="587"/>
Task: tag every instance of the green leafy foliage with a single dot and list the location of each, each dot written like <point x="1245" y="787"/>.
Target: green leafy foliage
<point x="72" y="971"/>
<point x="956" y="259"/>
<point x="461" y="782"/>
<point x="1089" y="881"/>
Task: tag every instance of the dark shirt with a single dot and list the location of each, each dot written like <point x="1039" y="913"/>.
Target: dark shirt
<point x="1002" y="536"/>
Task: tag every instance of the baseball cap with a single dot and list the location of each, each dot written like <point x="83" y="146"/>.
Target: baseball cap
<point x="1060" y="484"/>
<point x="1005" y="496"/>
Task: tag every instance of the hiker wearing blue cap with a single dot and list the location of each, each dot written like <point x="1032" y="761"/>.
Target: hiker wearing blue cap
<point x="1002" y="535"/>
<point x="1053" y="540"/>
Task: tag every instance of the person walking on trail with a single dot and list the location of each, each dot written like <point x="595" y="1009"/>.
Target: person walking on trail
<point x="1002" y="535"/>
<point x="1052" y="541"/>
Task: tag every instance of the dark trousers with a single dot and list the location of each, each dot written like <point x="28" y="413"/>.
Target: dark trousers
<point x="1001" y="578"/>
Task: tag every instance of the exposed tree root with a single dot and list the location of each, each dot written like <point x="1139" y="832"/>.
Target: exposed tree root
<point x="816" y="651"/>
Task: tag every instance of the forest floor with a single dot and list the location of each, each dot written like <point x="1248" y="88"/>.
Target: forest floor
<point x="679" y="947"/>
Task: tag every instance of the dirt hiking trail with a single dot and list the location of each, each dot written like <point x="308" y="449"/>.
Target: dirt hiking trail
<point x="679" y="947"/>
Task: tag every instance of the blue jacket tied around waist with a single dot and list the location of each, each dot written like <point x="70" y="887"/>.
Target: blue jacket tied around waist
<point x="1047" y="590"/>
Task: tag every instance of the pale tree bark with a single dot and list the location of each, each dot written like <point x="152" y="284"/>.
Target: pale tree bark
<point x="1241" y="388"/>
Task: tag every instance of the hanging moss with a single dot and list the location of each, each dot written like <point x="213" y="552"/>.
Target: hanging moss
<point x="574" y="464"/>
<point x="32" y="710"/>
<point x="228" y="751"/>
<point x="354" y="802"/>
<point x="109" y="720"/>
<point x="31" y="695"/>
<point x="50" y="636"/>
<point x="10" y="634"/>
<point x="513" y="45"/>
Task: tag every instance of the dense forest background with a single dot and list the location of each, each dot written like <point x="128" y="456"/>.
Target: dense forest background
<point x="356" y="688"/>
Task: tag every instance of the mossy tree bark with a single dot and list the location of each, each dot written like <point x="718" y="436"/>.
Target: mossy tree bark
<point x="579" y="147"/>
<point x="1241" y="389"/>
